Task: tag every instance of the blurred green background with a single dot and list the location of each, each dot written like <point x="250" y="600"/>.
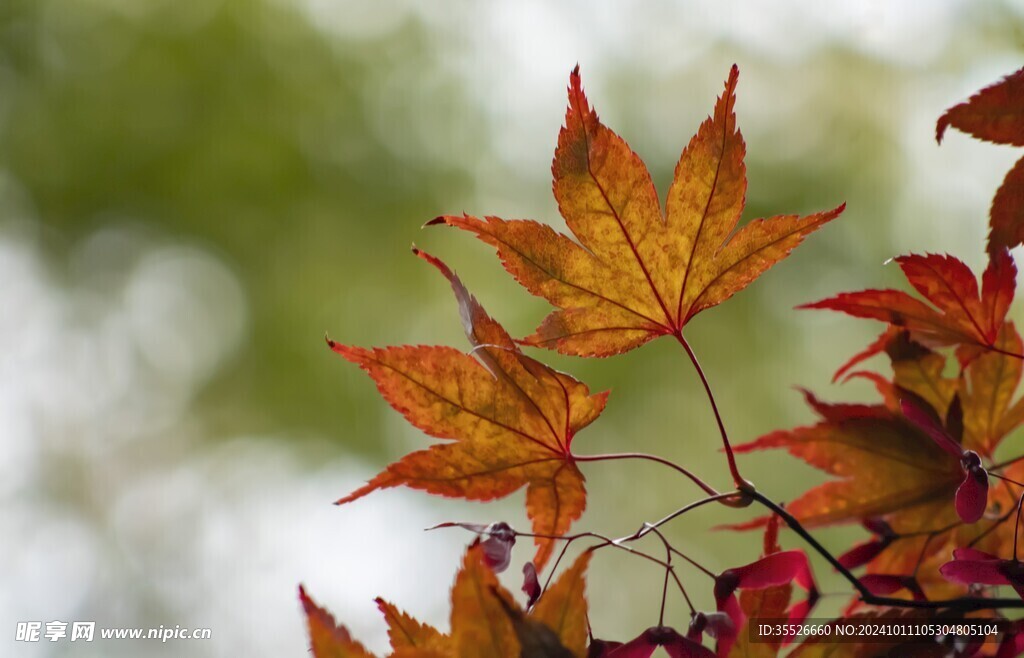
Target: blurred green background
<point x="193" y="193"/>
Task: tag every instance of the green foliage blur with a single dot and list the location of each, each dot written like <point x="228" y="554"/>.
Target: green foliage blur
<point x="238" y="126"/>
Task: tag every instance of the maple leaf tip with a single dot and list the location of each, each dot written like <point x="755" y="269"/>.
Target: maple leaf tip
<point x="576" y="95"/>
<point x="436" y="262"/>
<point x="866" y="374"/>
<point x="809" y="397"/>
<point x="730" y="83"/>
<point x="440" y="219"/>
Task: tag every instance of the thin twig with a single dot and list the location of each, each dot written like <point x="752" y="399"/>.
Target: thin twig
<point x="962" y="604"/>
<point x="1004" y="464"/>
<point x="733" y="468"/>
<point x="708" y="489"/>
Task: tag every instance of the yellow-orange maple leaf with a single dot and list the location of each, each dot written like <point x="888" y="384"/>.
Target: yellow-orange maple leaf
<point x="326" y="638"/>
<point x="512" y="420"/>
<point x="405" y="632"/>
<point x="563" y="608"/>
<point x="887" y="467"/>
<point x="486" y="621"/>
<point x="889" y="470"/>
<point x="637" y="273"/>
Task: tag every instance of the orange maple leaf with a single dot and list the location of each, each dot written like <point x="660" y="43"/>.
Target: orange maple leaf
<point x="888" y="467"/>
<point x="486" y="622"/>
<point x="637" y="273"/>
<point x="563" y="607"/>
<point x="481" y="627"/>
<point x="984" y="390"/>
<point x="326" y="638"/>
<point x="986" y="393"/>
<point x="512" y="420"/>
<point x="405" y="632"/>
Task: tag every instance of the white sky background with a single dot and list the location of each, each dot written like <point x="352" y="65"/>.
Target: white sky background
<point x="221" y="537"/>
<point x="514" y="58"/>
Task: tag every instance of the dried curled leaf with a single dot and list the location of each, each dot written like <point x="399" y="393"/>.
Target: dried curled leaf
<point x="637" y="273"/>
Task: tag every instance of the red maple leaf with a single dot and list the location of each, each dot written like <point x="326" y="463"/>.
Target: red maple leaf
<point x="960" y="314"/>
<point x="996" y="114"/>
